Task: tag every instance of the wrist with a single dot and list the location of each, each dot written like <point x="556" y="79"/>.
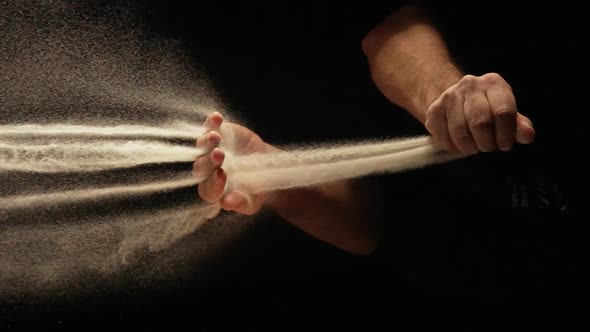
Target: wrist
<point x="292" y="199"/>
<point x="432" y="90"/>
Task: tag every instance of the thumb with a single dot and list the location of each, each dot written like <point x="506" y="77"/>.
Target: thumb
<point x="241" y="202"/>
<point x="525" y="133"/>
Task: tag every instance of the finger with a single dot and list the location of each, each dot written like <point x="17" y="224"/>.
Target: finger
<point x="213" y="121"/>
<point x="480" y="122"/>
<point x="211" y="189"/>
<point x="209" y="141"/>
<point x="458" y="129"/>
<point x="206" y="165"/>
<point x="242" y="203"/>
<point x="503" y="106"/>
<point x="525" y="133"/>
<point x="234" y="201"/>
<point x="436" y="124"/>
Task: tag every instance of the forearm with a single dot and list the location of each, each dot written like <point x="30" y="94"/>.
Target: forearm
<point x="337" y="213"/>
<point x="409" y="61"/>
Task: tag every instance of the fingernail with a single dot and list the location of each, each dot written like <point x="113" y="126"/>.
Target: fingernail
<point x="530" y="126"/>
<point x="217" y="156"/>
<point x="505" y="148"/>
<point x="214" y="140"/>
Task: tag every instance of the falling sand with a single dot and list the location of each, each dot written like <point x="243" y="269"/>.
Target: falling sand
<point x="45" y="256"/>
<point x="86" y="104"/>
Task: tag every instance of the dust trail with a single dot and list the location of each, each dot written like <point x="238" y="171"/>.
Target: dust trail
<point x="73" y="196"/>
<point x="86" y="86"/>
<point x="326" y="165"/>
<point x="97" y="155"/>
<point x="46" y="256"/>
<point x="182" y="131"/>
<point x="266" y="172"/>
<point x="324" y="153"/>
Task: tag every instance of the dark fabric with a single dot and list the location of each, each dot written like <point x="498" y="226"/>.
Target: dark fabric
<point x="490" y="228"/>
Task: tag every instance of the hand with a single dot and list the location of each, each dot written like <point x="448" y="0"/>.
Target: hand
<point x="209" y="166"/>
<point x="478" y="114"/>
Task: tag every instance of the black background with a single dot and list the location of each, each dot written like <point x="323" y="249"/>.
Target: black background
<point x="293" y="74"/>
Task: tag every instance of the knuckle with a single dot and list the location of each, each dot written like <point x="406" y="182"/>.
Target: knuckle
<point x="206" y="194"/>
<point x="492" y="78"/>
<point x="432" y="114"/>
<point x="435" y="109"/>
<point x="196" y="166"/>
<point x="202" y="163"/>
<point x="469" y="78"/>
<point x="428" y="125"/>
<point x="201" y="141"/>
<point x="449" y="95"/>
<point x="202" y="192"/>
<point x="460" y="131"/>
<point x="504" y="112"/>
<point x="468" y="81"/>
<point x="481" y="124"/>
<point x="467" y="84"/>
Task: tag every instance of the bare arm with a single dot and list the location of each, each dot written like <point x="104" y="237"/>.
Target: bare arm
<point x="409" y="61"/>
<point x="340" y="213"/>
<point x="412" y="67"/>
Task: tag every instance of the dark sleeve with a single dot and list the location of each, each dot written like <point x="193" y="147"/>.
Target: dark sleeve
<point x="424" y="233"/>
<point x="404" y="203"/>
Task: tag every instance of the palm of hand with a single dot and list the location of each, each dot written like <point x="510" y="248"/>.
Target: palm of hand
<point x="238" y="140"/>
<point x="241" y="140"/>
